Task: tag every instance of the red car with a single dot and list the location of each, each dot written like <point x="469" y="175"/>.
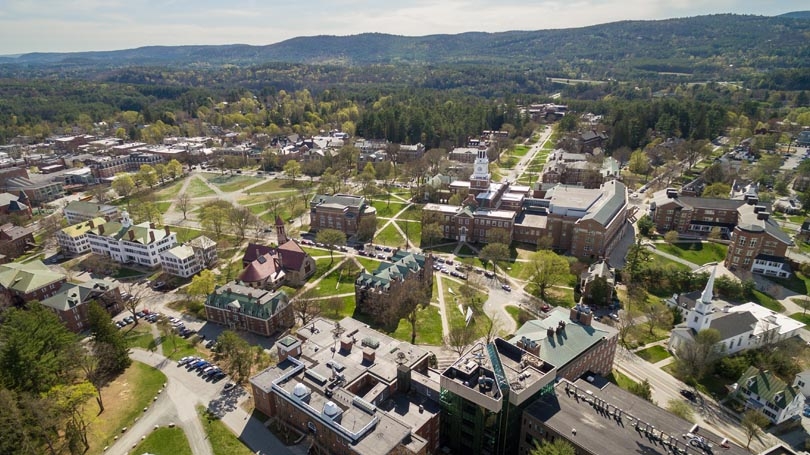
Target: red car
<point x="545" y="307"/>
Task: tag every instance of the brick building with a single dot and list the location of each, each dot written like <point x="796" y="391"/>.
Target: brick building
<point x="585" y="222"/>
<point x="693" y="215"/>
<point x="353" y="390"/>
<point x="15" y="240"/>
<point x="343" y="212"/>
<point x="758" y="244"/>
<point x="26" y="281"/>
<point x="571" y="340"/>
<point x="78" y="211"/>
<point x="15" y="205"/>
<point x="373" y="292"/>
<point x="70" y="301"/>
<point x="257" y="311"/>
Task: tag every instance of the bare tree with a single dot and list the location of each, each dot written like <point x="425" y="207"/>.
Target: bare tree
<point x="305" y="307"/>
<point x="752" y="423"/>
<point x="459" y="339"/>
<point x="131" y="301"/>
<point x="240" y="220"/>
<point x="335" y="304"/>
<point x="184" y="203"/>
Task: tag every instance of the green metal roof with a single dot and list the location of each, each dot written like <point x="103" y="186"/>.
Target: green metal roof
<point x="26" y="277"/>
<point x="769" y="388"/>
<point x="563" y="348"/>
<point x="257" y="303"/>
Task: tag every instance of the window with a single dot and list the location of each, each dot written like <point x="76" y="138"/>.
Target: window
<point x="741" y="241"/>
<point x="753" y="242"/>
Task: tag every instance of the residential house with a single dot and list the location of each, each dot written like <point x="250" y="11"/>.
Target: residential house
<point x="374" y="291"/>
<point x="343" y="212"/>
<point x="78" y="211"/>
<point x="15" y="240"/>
<point x="764" y="392"/>
<point x="71" y="300"/>
<point x="124" y="242"/>
<point x="598" y="276"/>
<point x="72" y="240"/>
<point x="802" y="382"/>
<point x="205" y="249"/>
<point x="741" y="327"/>
<point x="571" y="340"/>
<point x="26" y="281"/>
<point x="353" y="390"/>
<point x="180" y="261"/>
<point x="239" y="307"/>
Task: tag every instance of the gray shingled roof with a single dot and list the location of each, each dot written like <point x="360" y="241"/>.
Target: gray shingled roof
<point x="615" y="200"/>
<point x="731" y="325"/>
<point x="345" y="200"/>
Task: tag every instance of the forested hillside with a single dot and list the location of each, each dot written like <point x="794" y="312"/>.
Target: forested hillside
<point x="719" y="47"/>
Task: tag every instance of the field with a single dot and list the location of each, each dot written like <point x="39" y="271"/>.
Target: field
<point x="412" y="229"/>
<point x="231" y="183"/>
<point x="389" y="237"/>
<point x="654" y="354"/>
<point x="124" y="400"/>
<point x="197" y="188"/>
<point x="428" y="327"/>
<point x="386" y="210"/>
<point x="223" y="441"/>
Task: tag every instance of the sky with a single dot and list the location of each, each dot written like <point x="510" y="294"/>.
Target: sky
<point x="91" y="25"/>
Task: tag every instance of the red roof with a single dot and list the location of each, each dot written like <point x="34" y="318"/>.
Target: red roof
<point x="264" y="267"/>
<point x="254" y="251"/>
<point x="292" y="255"/>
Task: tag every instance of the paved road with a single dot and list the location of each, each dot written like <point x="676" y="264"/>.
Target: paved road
<point x="184" y="392"/>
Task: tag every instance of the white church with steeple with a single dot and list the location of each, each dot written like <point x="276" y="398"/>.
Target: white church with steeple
<point x="741" y="327"/>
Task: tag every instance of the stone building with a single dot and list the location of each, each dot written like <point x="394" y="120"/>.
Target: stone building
<point x="377" y="293"/>
<point x="343" y="212"/>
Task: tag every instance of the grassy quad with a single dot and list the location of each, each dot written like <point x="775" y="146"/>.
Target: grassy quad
<point x="231" y="183"/>
<point x="198" y="188"/>
<point x="428" y="327"/>
<point x="413" y="229"/>
<point x="654" y="354"/>
<point x="165" y="441"/>
<point x="413" y="213"/>
<point x="124" y="400"/>
<point x="389" y="236"/>
<point x="170" y="191"/>
<point x="386" y="210"/>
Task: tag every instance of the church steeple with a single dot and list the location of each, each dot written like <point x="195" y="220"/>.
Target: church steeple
<point x="282" y="236"/>
<point x="481" y="177"/>
<point x="700" y="316"/>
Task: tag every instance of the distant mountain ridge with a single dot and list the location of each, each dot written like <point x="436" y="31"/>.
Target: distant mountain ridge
<point x="671" y="40"/>
<point x="796" y="15"/>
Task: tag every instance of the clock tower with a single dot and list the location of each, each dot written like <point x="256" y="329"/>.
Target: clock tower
<point x="480" y="179"/>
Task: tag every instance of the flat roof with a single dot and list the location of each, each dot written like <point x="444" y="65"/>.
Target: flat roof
<point x="591" y="412"/>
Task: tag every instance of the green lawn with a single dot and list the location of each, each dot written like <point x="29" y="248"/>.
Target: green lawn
<point x="337" y="282"/>
<point x="165" y="441"/>
<point x="124" y="400"/>
<point x="229" y="271"/>
<point x="621" y="380"/>
<point x="223" y="441"/>
<point x="229" y="183"/>
<point x="171" y="191"/>
<point x="412" y="229"/>
<point x="369" y="264"/>
<point x="389" y="237"/>
<point x="176" y="347"/>
<point x="454" y="317"/>
<point x="197" y="188"/>
<point x="667" y="261"/>
<point x="139" y="336"/>
<point x="386" y="210"/>
<point x="347" y="308"/>
<point x="428" y="327"/>
<point x="272" y="185"/>
<point x="163" y="207"/>
<point x="414" y="213"/>
<point x="696" y="253"/>
<point x="519" y="270"/>
<point x="520" y="150"/>
<point x="654" y="354"/>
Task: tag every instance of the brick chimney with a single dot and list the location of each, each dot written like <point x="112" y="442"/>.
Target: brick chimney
<point x="151" y="236"/>
<point x="100" y="229"/>
<point x="91" y="224"/>
<point x="168" y="232"/>
<point x="581" y="314"/>
<point x="369" y="355"/>
<point x="151" y="225"/>
<point x="131" y="235"/>
<point x="346" y="344"/>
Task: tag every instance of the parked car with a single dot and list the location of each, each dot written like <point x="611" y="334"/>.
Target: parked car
<point x="219" y="376"/>
<point x="184" y="360"/>
<point x="614" y="316"/>
<point x="688" y="394"/>
<point x="506" y="287"/>
<point x="545" y="307"/>
<point x="489" y="274"/>
<point x="228" y="386"/>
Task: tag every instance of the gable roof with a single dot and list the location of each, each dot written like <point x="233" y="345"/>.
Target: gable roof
<point x="71" y="295"/>
<point x="769" y="388"/>
<point x="254" y="251"/>
<point x="89" y="208"/>
<point x="404" y="263"/>
<point x="26" y="277"/>
<point x="292" y="255"/>
<point x="120" y="232"/>
<point x="265" y="266"/>
<point x="201" y="242"/>
<point x="731" y="325"/>
<point x="253" y="302"/>
<point x="82" y="228"/>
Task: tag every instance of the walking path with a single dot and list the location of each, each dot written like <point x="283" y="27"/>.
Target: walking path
<point x="442" y="306"/>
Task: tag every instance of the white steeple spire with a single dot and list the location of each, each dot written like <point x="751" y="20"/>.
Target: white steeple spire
<point x="707" y="296"/>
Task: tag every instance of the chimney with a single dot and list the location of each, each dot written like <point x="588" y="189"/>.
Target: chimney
<point x="166" y="228"/>
<point x="91" y="224"/>
<point x="581" y="314"/>
<point x="763" y="216"/>
<point x="151" y="236"/>
<point x="369" y="355"/>
<point x="151" y="225"/>
<point x="131" y="235"/>
<point x="346" y="344"/>
<point x="100" y="229"/>
<point x="529" y="345"/>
